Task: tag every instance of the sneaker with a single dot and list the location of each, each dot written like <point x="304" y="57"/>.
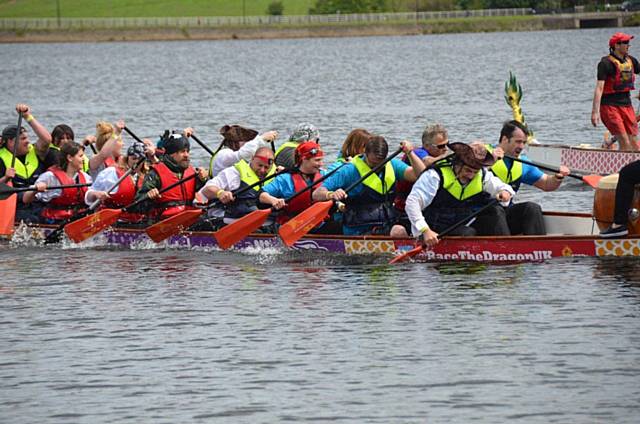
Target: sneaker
<point x="612" y="232"/>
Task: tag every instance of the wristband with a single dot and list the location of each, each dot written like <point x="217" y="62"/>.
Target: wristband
<point x="424" y="230"/>
<point x="219" y="192"/>
<point x="29" y="118"/>
<point x="329" y="193"/>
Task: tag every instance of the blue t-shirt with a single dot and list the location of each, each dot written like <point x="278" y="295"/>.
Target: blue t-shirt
<point x="349" y="174"/>
<point x="282" y="186"/>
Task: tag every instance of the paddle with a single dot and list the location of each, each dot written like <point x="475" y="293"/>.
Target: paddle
<point x="54" y="236"/>
<point x="8" y="206"/>
<point x="413" y="252"/>
<point x="591" y="180"/>
<point x="7" y="190"/>
<point x="230" y="234"/>
<point x="204" y="146"/>
<point x="91" y="225"/>
<point x="306" y="220"/>
<point x="173" y="225"/>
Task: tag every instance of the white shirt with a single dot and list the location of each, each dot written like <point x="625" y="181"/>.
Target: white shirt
<point x="424" y="190"/>
<point x="227" y="157"/>
<point x="228" y="180"/>
<point x="103" y="182"/>
<point x="51" y="180"/>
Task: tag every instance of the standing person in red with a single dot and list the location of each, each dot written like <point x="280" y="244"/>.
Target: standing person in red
<point x="611" y="99"/>
<point x="61" y="204"/>
<point x="174" y="166"/>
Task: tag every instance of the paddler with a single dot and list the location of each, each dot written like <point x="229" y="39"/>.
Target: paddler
<point x="174" y="166"/>
<point x="125" y="192"/>
<point x="447" y="193"/>
<point x="611" y="98"/>
<point x="61" y="204"/>
<point x="238" y="143"/>
<point x="285" y="154"/>
<point x="109" y="145"/>
<point x="369" y="205"/>
<point x="30" y="161"/>
<point x="236" y="177"/>
<point x="308" y="159"/>
<point x="524" y="217"/>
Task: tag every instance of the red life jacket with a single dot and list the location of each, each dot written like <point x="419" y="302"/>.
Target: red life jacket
<point x="125" y="196"/>
<point x="624" y="77"/>
<point x="179" y="198"/>
<point x="109" y="162"/>
<point x="70" y="201"/>
<point x="301" y="202"/>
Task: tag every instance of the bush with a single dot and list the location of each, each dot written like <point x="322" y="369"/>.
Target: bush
<point x="275" y="8"/>
<point x="327" y="7"/>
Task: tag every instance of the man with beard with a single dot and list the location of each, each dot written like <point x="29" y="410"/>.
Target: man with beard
<point x="525" y="217"/>
<point x="174" y="166"/>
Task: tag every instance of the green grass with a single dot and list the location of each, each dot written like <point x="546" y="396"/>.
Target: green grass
<point x="143" y="8"/>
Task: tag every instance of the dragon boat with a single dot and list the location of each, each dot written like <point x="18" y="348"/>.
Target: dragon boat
<point x="584" y="158"/>
<point x="569" y="235"/>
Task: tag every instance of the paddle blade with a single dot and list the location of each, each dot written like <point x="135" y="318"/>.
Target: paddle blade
<point x="91" y="225"/>
<point x="406" y="255"/>
<point x="304" y="222"/>
<point x="592" y="180"/>
<point x="230" y="234"/>
<point x="171" y="226"/>
<point x="8" y="214"/>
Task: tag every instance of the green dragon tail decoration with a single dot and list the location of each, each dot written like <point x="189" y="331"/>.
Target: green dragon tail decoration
<point x="513" y="96"/>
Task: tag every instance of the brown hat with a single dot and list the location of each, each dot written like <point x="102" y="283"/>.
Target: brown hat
<point x="474" y="155"/>
<point x="236" y="133"/>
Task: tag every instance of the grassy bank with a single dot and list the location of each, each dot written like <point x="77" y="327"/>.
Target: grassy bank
<point x="142" y="8"/>
<point x="454" y="25"/>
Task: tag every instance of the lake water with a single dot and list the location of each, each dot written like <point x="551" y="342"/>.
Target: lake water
<point x="103" y="335"/>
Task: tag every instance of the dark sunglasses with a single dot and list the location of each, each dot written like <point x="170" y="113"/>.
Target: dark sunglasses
<point x="441" y="146"/>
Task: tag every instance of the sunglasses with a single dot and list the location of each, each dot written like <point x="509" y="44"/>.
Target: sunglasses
<point x="623" y="42"/>
<point x="441" y="146"/>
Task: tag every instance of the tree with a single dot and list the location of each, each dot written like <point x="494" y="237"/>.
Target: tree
<point x="275" y="8"/>
<point x="325" y="7"/>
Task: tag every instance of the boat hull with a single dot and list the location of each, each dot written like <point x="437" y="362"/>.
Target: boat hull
<point x="586" y="160"/>
<point x="469" y="249"/>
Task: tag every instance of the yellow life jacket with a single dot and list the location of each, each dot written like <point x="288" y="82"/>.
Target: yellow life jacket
<point x="23" y="170"/>
<point x="510" y="176"/>
<point x="248" y="176"/>
<point x="373" y="181"/>
<point x="454" y="188"/>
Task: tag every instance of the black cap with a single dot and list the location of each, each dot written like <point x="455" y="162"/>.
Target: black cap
<point x="176" y="142"/>
<point x="136" y="150"/>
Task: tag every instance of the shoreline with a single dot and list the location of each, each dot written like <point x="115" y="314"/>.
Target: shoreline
<point x="444" y="26"/>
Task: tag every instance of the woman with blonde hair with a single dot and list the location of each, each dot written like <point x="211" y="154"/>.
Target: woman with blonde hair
<point x="109" y="144"/>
